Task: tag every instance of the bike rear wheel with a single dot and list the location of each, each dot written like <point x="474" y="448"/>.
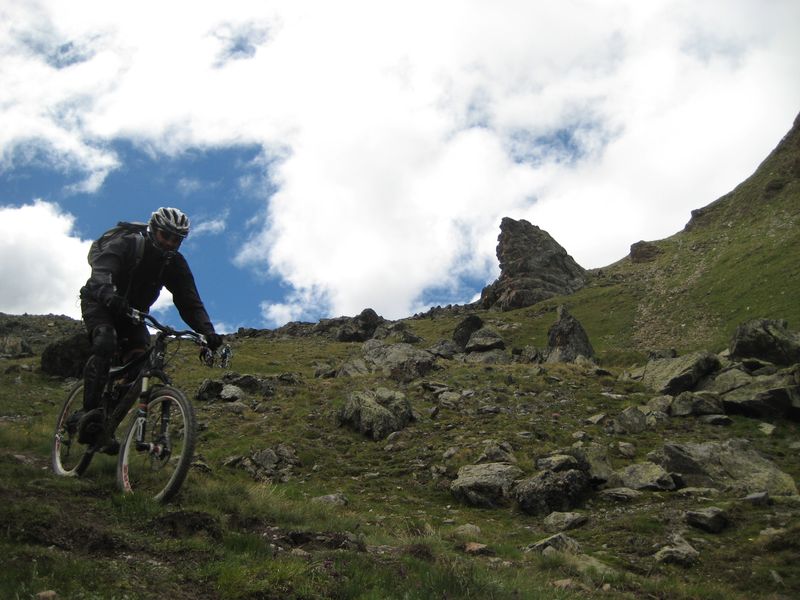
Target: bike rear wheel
<point x="158" y="447"/>
<point x="68" y="458"/>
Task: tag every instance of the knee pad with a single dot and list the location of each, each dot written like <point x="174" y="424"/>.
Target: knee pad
<point x="104" y="342"/>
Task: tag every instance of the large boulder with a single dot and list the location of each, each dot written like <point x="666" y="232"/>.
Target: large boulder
<point x="729" y="464"/>
<point x="644" y="252"/>
<point x="533" y="267"/>
<point x="376" y="414"/>
<point x="484" y="340"/>
<point x="486" y="485"/>
<point x="464" y="330"/>
<point x="567" y="339"/>
<point x="675" y="375"/>
<point x="646" y="476"/>
<point x="764" y="396"/>
<point x="12" y="346"/>
<point x="766" y="339"/>
<point x="550" y="491"/>
<point x="66" y="357"/>
<point x="359" y="328"/>
<point x="401" y="362"/>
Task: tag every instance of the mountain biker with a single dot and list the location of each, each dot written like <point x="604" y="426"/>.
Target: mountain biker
<point x="123" y="277"/>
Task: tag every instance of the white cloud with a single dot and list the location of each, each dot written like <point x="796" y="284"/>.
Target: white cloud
<point x="404" y="133"/>
<point x="210" y="226"/>
<point x="43" y="262"/>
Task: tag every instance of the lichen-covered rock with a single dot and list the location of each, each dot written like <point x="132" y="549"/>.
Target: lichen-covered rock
<point x="766" y="339"/>
<point x="376" y="414"/>
<point x="731" y="463"/>
<point x="486" y="486"/>
<point x="675" y="375"/>
<point x="551" y="491"/>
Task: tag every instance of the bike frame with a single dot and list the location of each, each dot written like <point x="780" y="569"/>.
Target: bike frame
<point x="152" y="363"/>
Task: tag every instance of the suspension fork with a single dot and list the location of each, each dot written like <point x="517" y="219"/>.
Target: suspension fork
<point x="161" y="447"/>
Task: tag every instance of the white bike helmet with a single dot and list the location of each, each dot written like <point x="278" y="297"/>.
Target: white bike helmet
<point x="171" y="220"/>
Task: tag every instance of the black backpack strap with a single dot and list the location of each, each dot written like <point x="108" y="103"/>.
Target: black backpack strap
<point x="137" y="259"/>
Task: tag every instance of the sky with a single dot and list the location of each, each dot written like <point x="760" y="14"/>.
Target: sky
<point x="336" y="156"/>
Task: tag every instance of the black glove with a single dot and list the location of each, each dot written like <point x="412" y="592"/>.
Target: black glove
<point x="117" y="305"/>
<point x="213" y="341"/>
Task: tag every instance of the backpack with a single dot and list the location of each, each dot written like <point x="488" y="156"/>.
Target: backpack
<point x="122" y="228"/>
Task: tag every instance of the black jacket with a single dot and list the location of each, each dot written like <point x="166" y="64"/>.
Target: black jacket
<point x="115" y="271"/>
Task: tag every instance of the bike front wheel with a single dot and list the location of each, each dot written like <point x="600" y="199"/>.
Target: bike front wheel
<point x="68" y="458"/>
<point x="158" y="447"/>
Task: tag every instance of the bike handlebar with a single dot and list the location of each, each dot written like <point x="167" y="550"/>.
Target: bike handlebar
<point x="141" y="317"/>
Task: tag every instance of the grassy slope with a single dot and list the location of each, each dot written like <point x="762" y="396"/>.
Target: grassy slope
<point x="84" y="540"/>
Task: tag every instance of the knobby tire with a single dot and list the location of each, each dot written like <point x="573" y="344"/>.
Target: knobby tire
<point x="151" y="473"/>
<point x="68" y="458"/>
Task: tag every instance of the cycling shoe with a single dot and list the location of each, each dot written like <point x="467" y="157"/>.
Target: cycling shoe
<point x="90" y="426"/>
<point x="111" y="447"/>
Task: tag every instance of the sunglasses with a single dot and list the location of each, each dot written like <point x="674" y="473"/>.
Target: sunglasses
<point x="169" y="236"/>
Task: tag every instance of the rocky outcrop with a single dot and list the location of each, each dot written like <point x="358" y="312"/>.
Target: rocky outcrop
<point x="768" y="340"/>
<point x="644" y="252"/>
<point x="567" y="339"/>
<point x="770" y="395"/>
<point x="731" y="464"/>
<point x="533" y="267"/>
<point x="681" y="374"/>
<point x="465" y="329"/>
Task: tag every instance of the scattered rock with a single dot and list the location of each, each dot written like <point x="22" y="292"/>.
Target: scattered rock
<point x="564" y="521"/>
<point x="376" y="414"/>
<point x="484" y="340"/>
<point x="467" y="530"/>
<point x="548" y="491"/>
<point x="486" y="486"/>
<point x="401" y="362"/>
<point x="12" y="346"/>
<point x="495" y="452"/>
<point x="231" y="393"/>
<point x="337" y="499"/>
<point x="620" y="494"/>
<point x="445" y="349"/>
<point x="696" y="404"/>
<point x="711" y="519"/>
<point x="680" y="552"/>
<point x="646" y="476"/>
<point x="630" y="420"/>
<point x="560" y="542"/>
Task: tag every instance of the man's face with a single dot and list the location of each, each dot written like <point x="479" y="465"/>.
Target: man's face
<point x="169" y="242"/>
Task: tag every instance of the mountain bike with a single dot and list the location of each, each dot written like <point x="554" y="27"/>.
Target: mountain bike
<point x="157" y="449"/>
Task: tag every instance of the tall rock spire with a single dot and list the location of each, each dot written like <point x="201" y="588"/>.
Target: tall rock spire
<point x="533" y="267"/>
